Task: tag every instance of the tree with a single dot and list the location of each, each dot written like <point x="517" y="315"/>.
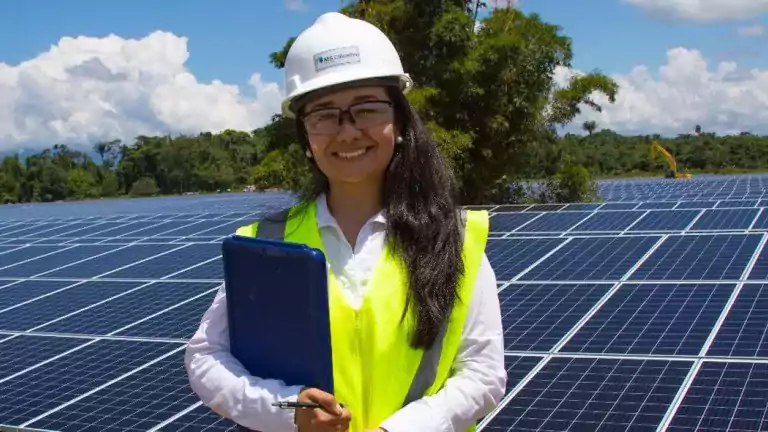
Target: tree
<point x="492" y="90"/>
<point x="589" y="126"/>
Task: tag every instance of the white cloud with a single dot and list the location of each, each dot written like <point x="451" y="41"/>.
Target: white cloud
<point x="87" y="89"/>
<point x="504" y="3"/>
<point x="753" y="30"/>
<point x="83" y="90"/>
<point x="685" y="92"/>
<point x="703" y="10"/>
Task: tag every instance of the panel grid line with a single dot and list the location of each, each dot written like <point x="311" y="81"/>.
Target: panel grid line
<point x="734" y="295"/>
<point x="558" y="346"/>
<point x="540" y="260"/>
<point x="103" y="386"/>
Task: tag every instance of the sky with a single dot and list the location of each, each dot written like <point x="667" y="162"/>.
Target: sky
<point x="83" y="71"/>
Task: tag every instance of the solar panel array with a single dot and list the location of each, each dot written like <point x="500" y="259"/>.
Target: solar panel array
<point x="647" y="312"/>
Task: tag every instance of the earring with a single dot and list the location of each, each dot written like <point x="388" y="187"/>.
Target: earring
<point x="308" y="153"/>
<point x="399" y="140"/>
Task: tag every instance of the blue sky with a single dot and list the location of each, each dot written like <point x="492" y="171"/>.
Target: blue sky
<point x="230" y="40"/>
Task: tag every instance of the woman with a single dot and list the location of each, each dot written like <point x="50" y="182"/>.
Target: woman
<point x="415" y="319"/>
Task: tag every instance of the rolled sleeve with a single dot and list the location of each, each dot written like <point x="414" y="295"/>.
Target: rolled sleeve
<point x="224" y="385"/>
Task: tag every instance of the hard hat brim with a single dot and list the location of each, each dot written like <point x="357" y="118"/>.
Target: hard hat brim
<point x="331" y="83"/>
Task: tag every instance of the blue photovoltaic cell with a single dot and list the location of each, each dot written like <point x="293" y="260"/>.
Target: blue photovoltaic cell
<point x="137" y="402"/>
<point x="171" y="262"/>
<point x="744" y="333"/>
<point x="71" y="229"/>
<point x="581" y="207"/>
<point x="517" y="368"/>
<point x="725" y="396"/>
<point x="54" y="306"/>
<point x="737" y="203"/>
<point x="535" y="317"/>
<point x="727" y="219"/>
<point x="589" y="394"/>
<point x="531" y="235"/>
<point x="95" y="228"/>
<point x="510" y="208"/>
<point x="21" y="352"/>
<point x="124" y="229"/>
<point x="657" y="205"/>
<point x="10" y="230"/>
<point x="608" y="221"/>
<point x="25" y="230"/>
<point x="195" y="227"/>
<point x="114" y="260"/>
<point x="159" y="228"/>
<point x="665" y="220"/>
<point x="546" y="207"/>
<point x="699" y="257"/>
<point x="129" y="308"/>
<point x="510" y="257"/>
<point x="554" y="222"/>
<point x="619" y="206"/>
<point x="696" y="204"/>
<point x="213" y="270"/>
<point x="761" y="222"/>
<point x="591" y="259"/>
<point x="19" y="292"/>
<point x="201" y="419"/>
<point x="226" y="229"/>
<point x="56" y="260"/>
<point x="505" y="222"/>
<point x="24" y="253"/>
<point x="664" y="319"/>
<point x="760" y="269"/>
<point x="52" y="384"/>
<point x="179" y="322"/>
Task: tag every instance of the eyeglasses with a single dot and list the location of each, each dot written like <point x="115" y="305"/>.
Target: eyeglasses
<point x="363" y="115"/>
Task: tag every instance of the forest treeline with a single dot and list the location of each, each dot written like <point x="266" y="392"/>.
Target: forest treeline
<point x="484" y="87"/>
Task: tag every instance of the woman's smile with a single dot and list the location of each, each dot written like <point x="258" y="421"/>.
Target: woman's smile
<point x="352" y="155"/>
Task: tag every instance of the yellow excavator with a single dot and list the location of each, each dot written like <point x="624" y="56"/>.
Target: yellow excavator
<point x="672" y="173"/>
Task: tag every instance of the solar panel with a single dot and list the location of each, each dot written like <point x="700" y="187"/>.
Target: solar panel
<point x="644" y="312"/>
<point x="725" y="396"/>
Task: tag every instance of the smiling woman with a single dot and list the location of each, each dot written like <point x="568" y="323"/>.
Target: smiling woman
<point x="415" y="320"/>
<point x="352" y="134"/>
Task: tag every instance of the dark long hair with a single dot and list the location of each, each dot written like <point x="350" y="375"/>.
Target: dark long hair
<point x="423" y="225"/>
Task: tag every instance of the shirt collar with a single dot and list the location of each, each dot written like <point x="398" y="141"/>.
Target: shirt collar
<point x="325" y="218"/>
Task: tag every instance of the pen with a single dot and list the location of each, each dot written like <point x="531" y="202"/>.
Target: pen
<point x="299" y="405"/>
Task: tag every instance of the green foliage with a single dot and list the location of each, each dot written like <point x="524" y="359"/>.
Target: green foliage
<point x="571" y="184"/>
<point x="144" y="187"/>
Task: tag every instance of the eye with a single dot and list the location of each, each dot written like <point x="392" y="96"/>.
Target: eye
<point x="319" y="116"/>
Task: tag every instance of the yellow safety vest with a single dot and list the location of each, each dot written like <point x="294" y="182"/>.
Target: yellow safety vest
<point x="375" y="370"/>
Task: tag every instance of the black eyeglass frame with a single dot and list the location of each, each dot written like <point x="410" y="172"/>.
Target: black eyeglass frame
<point x="347" y="113"/>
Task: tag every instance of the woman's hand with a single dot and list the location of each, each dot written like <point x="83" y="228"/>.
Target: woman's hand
<point x="331" y="418"/>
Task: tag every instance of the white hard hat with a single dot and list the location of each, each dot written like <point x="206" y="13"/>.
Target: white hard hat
<point x="337" y="49"/>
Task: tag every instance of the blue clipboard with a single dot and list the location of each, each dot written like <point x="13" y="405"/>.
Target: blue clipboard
<point x="277" y="302"/>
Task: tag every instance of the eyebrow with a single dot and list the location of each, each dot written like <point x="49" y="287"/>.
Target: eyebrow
<point x="362" y="98"/>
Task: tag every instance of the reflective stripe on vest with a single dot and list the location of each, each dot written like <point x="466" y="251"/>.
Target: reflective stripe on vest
<point x="369" y="341"/>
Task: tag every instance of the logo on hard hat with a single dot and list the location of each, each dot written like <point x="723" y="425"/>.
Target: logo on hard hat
<point x="336" y="57"/>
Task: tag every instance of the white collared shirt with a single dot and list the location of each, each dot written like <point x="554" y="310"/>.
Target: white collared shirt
<point x="475" y="388"/>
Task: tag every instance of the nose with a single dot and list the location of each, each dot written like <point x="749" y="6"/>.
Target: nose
<point x="347" y="130"/>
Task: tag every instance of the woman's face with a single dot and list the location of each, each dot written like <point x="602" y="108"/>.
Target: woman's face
<point x="351" y="134"/>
